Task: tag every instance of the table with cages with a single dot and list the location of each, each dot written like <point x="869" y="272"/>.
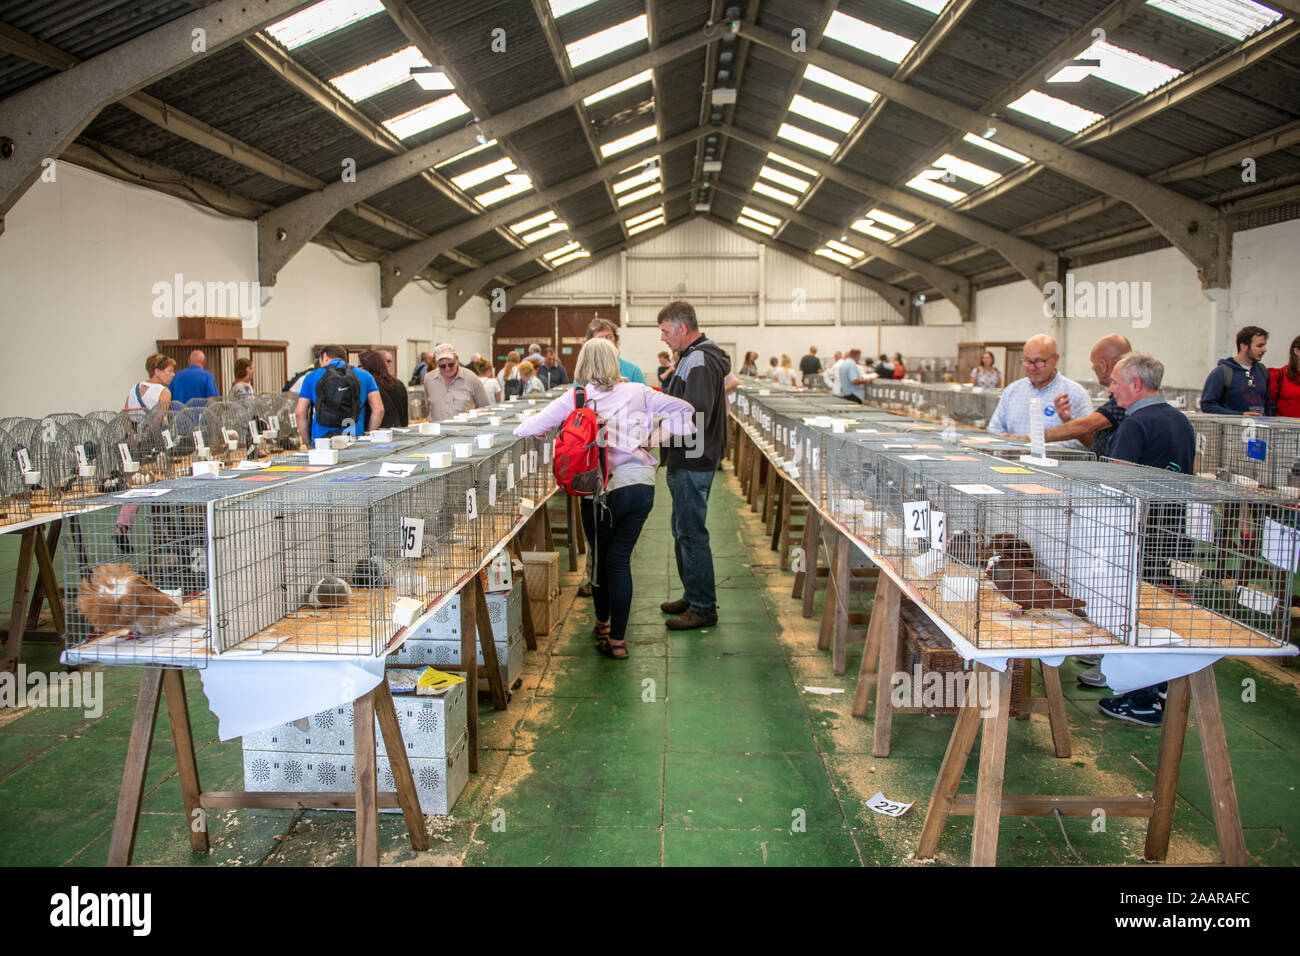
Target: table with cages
<point x="1159" y="572"/>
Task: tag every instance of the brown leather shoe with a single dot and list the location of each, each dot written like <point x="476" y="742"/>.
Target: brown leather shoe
<point x="690" y="619"/>
<point x="674" y="607"/>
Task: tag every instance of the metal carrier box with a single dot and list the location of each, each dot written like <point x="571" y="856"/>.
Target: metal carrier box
<point x="438" y="780"/>
<point x="436" y="653"/>
<point x="505" y="610"/>
<point x="430" y="726"/>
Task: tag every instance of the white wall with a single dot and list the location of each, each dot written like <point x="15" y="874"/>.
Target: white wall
<point x="79" y="259"/>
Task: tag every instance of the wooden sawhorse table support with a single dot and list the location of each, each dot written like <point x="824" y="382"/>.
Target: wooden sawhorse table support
<point x="989" y="804"/>
<point x="366" y="801"/>
<point x="35" y="546"/>
<point x="880" y="659"/>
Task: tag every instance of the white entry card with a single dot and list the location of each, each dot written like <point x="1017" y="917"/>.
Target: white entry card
<point x="471" y="503"/>
<point x="492" y="490"/>
<point x="1281" y="546"/>
<point x="916" y="519"/>
<point x="393" y="469"/>
<point x="510" y="476"/>
<point x="938" y="530"/>
<point x="1200" y="521"/>
<point x="412" y="537"/>
<point x="890" y="808"/>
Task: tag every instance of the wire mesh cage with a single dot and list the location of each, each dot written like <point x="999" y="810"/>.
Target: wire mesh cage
<point x="151" y="452"/>
<point x="232" y="424"/>
<point x="1257" y="453"/>
<point x="417" y="405"/>
<point x="15" y="467"/>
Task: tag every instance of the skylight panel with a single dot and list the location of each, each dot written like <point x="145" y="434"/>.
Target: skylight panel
<point x="648" y="173"/>
<point x="831" y="254"/>
<point x="481" y="175"/>
<point x="607" y="41"/>
<point x="1056" y="112"/>
<point x="625" y="143"/>
<point x="801" y="137"/>
<point x="562" y="250"/>
<point x="753" y="213"/>
<point x="973" y="172"/>
<point x="784" y="179"/>
<point x="815" y="74"/>
<point x="925" y="184"/>
<point x="321" y="20"/>
<point x="532" y="222"/>
<point x="826" y="115"/>
<point x="845" y="248"/>
<point x="607" y="92"/>
<point x="868" y="37"/>
<point x="993" y="147"/>
<point x="757" y="226"/>
<point x="469" y="152"/>
<point x="869" y="228"/>
<point x="780" y="195"/>
<point x="798" y="167"/>
<point x="513" y="187"/>
<point x="648" y="224"/>
<point x="889" y="219"/>
<point x="560" y="7"/>
<point x="1127" y="69"/>
<point x="550" y="229"/>
<point x="392" y="70"/>
<point x="569" y="257"/>
<point x="934" y="6"/>
<point x="628" y="198"/>
<point x="635" y="220"/>
<point x="426" y="117"/>
<point x="1235" y="18"/>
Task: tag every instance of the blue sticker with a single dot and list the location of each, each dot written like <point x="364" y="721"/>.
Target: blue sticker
<point x="1257" y="449"/>
<point x="1049" y="411"/>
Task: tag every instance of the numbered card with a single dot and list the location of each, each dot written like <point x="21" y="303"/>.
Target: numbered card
<point x="83" y="460"/>
<point x="532" y="461"/>
<point x="123" y="451"/>
<point x="273" y="423"/>
<point x="492" y="490"/>
<point x="254" y="431"/>
<point x="198" y="439"/>
<point x="938" y="530"/>
<point x="510" y="476"/>
<point x="168" y="442"/>
<point x="1200" y="521"/>
<point x="546" y="454"/>
<point x="1281" y="545"/>
<point x="798" y="453"/>
<point x="816" y="455"/>
<point x="916" y="519"/>
<point x="890" y="808"/>
<point x="1200" y="444"/>
<point x="24" y="459"/>
<point x="412" y="537"/>
<point x="392" y="469"/>
<point x="471" y="503"/>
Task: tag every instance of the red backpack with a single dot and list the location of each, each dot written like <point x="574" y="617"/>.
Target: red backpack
<point x="580" y="467"/>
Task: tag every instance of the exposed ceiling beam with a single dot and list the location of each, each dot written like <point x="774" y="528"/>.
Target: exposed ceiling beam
<point x="654" y="22"/>
<point x="895" y="298"/>
<point x="399" y="266"/>
<point x="740" y="58"/>
<point x="43" y="120"/>
<point x="1191" y="226"/>
<point x="951" y="285"/>
<point x="711" y="60"/>
<point x="1035" y="263"/>
<point x="465" y="286"/>
<point x="284" y="230"/>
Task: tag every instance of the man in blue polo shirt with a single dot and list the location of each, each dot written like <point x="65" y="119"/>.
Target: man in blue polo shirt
<point x="194" y="381"/>
<point x="367" y="398"/>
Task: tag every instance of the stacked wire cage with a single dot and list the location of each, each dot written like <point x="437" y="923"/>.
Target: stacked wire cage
<point x="15" y="467"/>
<point x="1217" y="562"/>
<point x="1261" y="453"/>
<point x="41" y="452"/>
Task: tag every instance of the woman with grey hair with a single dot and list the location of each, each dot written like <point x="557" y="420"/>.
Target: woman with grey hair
<point x="635" y="419"/>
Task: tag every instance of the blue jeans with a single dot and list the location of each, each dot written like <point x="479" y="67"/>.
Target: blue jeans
<point x="690" y="491"/>
<point x="612" y="536"/>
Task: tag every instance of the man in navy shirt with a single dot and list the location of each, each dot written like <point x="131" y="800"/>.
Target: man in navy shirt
<point x="370" y="397"/>
<point x="1237" y="385"/>
<point x="552" y="373"/>
<point x="194" y="381"/>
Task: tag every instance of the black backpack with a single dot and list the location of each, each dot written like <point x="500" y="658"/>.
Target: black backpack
<point x="338" y="398"/>
<point x="514" y="388"/>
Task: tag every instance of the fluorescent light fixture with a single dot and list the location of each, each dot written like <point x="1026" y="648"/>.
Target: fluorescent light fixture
<point x="722" y="96"/>
<point x="1074" y="71"/>
<point x="576" y="254"/>
<point x="798" y="167"/>
<point x="643" y="77"/>
<point x="624" y="143"/>
<point x="560" y="7"/>
<point x="780" y="195"/>
<point x="635" y="220"/>
<point x="481" y="175"/>
<point x="757" y="226"/>
<point x="393" y="70"/>
<point x="513" y="187"/>
<point x="845" y="249"/>
<point x="967" y="170"/>
<point x="759" y="216"/>
<point x="431" y="77"/>
<point x="532" y="222"/>
<point x="550" y="229"/>
<point x="1235" y="18"/>
<point x="869" y="228"/>
<point x="712" y="166"/>
<point x="834" y="256"/>
<point x="426" y="117"/>
<point x="801" y="137"/>
<point x="821" y="113"/>
<point x="647" y="174"/>
<point x="648" y="224"/>
<point x="815" y="74"/>
<point x="784" y="179"/>
<point x="1056" y="112"/>
<point x="936" y="189"/>
<point x="321" y="20"/>
<point x="868" y="37"/>
<point x="889" y="219"/>
<point x="607" y="41"/>
<point x="563" y="250"/>
<point x="702" y="207"/>
<point x="1130" y="70"/>
<point x="638" y="194"/>
<point x="993" y="147"/>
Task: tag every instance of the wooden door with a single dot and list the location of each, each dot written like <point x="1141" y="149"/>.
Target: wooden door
<point x="563" y="328"/>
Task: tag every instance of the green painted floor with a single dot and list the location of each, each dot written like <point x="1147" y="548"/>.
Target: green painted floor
<point x="702" y="748"/>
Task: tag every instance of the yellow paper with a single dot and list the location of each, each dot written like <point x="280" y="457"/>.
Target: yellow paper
<point x="1014" y="471"/>
<point x="436" y="680"/>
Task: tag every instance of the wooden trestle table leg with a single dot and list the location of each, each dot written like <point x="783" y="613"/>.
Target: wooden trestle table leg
<point x="187" y="766"/>
<point x="13" y="648"/>
<point x="403" y="779"/>
<point x="1218" y="767"/>
<point x="122" y="843"/>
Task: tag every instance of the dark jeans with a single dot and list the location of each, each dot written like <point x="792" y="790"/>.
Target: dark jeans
<point x="611" y="537"/>
<point x="690" y="491"/>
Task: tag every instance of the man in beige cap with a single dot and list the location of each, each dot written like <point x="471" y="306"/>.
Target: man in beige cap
<point x="453" y="389"/>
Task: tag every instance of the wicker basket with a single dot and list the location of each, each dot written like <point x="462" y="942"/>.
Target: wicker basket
<point x="923" y="643"/>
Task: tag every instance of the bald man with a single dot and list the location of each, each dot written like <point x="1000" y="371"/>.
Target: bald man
<point x="194" y="381"/>
<point x="1095" y="429"/>
<point x="1043" y="382"/>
